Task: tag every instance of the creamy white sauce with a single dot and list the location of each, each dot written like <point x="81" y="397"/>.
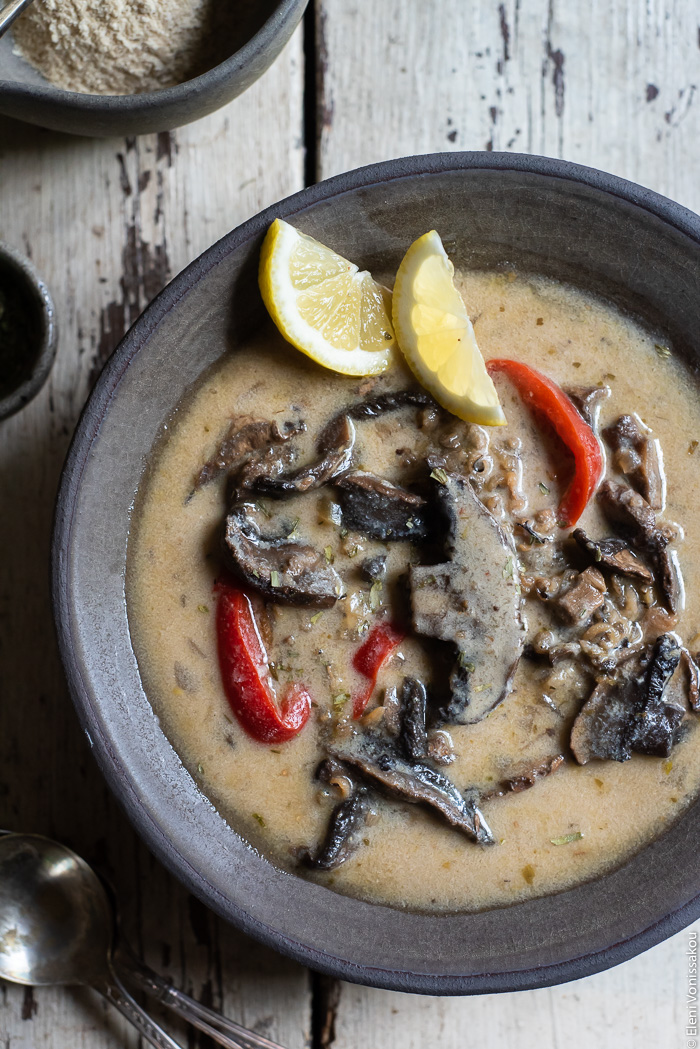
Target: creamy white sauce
<point x="269" y="794"/>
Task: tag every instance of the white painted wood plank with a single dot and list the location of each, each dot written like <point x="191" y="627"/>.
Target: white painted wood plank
<point x="609" y="83"/>
<point x="639" y="1004"/>
<point x="107" y="222"/>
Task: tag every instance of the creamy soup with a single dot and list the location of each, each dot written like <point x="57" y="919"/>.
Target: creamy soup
<point x="559" y="737"/>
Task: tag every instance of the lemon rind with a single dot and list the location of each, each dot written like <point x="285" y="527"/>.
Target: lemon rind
<point x="484" y="414"/>
<point x="274" y="265"/>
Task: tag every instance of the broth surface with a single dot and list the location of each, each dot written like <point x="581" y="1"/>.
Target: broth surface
<point x="269" y="794"/>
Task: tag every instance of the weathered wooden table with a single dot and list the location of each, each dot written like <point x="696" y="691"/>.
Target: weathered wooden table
<point x="611" y="83"/>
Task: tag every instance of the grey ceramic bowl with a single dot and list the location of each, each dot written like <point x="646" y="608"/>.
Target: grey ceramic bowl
<point x="26" y="95"/>
<point x="594" y="230"/>
<point x="27" y="292"/>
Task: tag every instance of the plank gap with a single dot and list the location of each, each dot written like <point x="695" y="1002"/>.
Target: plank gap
<point x="325" y="998"/>
<point x="312" y="70"/>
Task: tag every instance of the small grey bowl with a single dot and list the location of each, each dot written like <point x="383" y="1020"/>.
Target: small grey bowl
<point x="29" y="291"/>
<point x="26" y="95"/>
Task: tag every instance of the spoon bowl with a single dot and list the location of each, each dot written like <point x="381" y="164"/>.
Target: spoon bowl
<point x="55" y="919"/>
<point x="58" y="926"/>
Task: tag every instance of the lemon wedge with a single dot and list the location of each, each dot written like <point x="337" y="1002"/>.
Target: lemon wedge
<point x="435" y="334"/>
<point x="324" y="305"/>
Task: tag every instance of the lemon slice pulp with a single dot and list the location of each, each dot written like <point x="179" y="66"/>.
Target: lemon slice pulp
<point x="436" y="336"/>
<point x="323" y="304"/>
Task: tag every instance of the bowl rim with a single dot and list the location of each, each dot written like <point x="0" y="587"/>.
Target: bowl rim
<point x="77" y="101"/>
<point x="671" y="213"/>
<point x="44" y="308"/>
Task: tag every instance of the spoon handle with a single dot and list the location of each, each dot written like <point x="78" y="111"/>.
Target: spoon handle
<point x="115" y="992"/>
<point x="11" y="11"/>
<point x="225" y="1032"/>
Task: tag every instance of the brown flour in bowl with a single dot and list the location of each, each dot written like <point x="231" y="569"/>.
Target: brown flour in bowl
<point x="123" y="47"/>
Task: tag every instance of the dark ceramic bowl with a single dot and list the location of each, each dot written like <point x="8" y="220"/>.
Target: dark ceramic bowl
<point x="26" y="95"/>
<point x="594" y="230"/>
<point x="32" y="314"/>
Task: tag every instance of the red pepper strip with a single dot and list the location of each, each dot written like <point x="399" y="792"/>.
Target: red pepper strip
<point x="246" y="674"/>
<point x="369" y="659"/>
<point x="544" y="396"/>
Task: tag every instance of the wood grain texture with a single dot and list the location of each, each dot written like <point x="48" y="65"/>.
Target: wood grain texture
<point x="638" y="1005"/>
<point x="612" y="83"/>
<point x="608" y="83"/>
<point x="107" y="222"/>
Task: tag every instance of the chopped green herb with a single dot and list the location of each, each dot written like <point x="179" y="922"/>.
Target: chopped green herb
<point x="202" y="608"/>
<point x="439" y="475"/>
<point x="200" y="770"/>
<point x="339" y="700"/>
<point x="315" y="617"/>
<point x="353" y="551"/>
<point x="528" y="873"/>
<point x="258" y="817"/>
<point x="260" y="505"/>
<point x="256" y="573"/>
<point x="543" y="488"/>
<point x="375" y="595"/>
<point x="328" y="551"/>
<point x="663" y="351"/>
<point x="273" y="751"/>
<point x="566" y="839"/>
<point x="343" y="533"/>
<point x="598" y="555"/>
<point x="410" y="523"/>
<point x="295" y="524"/>
<point x="483" y="688"/>
<point x="465" y="663"/>
<point x="508" y="568"/>
<point x="274" y="578"/>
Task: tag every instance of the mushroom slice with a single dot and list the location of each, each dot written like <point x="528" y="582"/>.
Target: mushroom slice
<point x="418" y="784"/>
<point x="614" y="554"/>
<point x="473" y="601"/>
<point x="579" y="601"/>
<point x="413" y="734"/>
<point x="633" y="516"/>
<point x="243" y="437"/>
<point x="635" y="519"/>
<point x="587" y="401"/>
<point x="335" y="447"/>
<point x="280" y="569"/>
<point x="343" y="836"/>
<point x="638" y="455"/>
<point x="391" y="402"/>
<point x="632" y="714"/>
<point x="601" y="729"/>
<point x="693" y="672"/>
<point x="527" y="778"/>
<point x="380" y="509"/>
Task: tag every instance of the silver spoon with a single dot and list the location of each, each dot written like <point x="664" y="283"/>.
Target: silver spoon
<point x="57" y="927"/>
<point x="10" y="12"/>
